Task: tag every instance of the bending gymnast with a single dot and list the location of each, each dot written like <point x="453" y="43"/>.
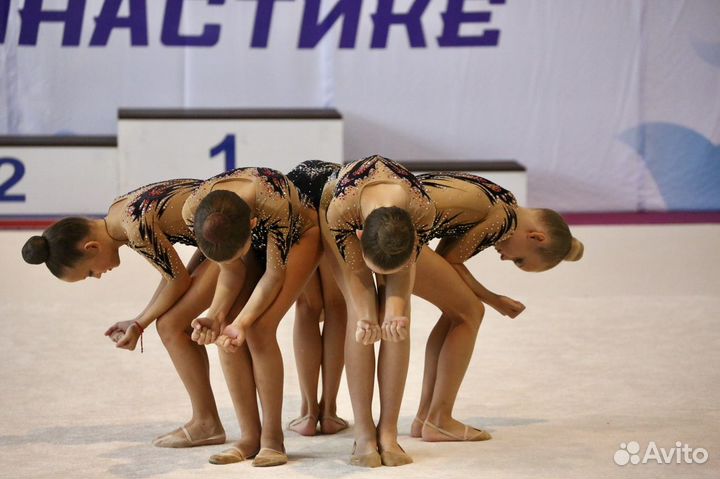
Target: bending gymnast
<point x="320" y="301"/>
<point x="236" y="216"/>
<point x="374" y="218"/>
<point x="472" y="214"/>
<point x="149" y="221"/>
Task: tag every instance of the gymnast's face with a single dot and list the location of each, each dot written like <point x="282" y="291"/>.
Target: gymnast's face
<point x="98" y="260"/>
<point x="522" y="249"/>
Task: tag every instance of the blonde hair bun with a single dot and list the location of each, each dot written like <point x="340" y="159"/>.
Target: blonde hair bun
<point x="576" y="250"/>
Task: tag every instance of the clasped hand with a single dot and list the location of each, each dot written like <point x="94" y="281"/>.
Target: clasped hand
<point x="507" y="306"/>
<point x="227" y="336"/>
<point x="124" y="334"/>
<point x="393" y="329"/>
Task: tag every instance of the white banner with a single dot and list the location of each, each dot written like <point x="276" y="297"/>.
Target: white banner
<point x="611" y="105"/>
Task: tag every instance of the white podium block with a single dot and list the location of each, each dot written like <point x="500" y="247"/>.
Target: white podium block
<point x="509" y="174"/>
<point x="156" y="145"/>
<point x="45" y="178"/>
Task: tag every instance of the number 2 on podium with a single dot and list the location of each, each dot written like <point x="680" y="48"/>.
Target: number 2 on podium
<point x="17" y="174"/>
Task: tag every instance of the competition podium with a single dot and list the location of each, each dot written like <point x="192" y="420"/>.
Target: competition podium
<point x="156" y="145"/>
<point x="44" y="178"/>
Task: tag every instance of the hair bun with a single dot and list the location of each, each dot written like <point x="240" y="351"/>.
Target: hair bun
<point x="216" y="227"/>
<point x="36" y="250"/>
<point x="576" y="250"/>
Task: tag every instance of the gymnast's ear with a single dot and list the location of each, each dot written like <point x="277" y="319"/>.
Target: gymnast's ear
<point x="576" y="250"/>
<point x="92" y="247"/>
<point x="253" y="222"/>
<point x="538" y="236"/>
<point x="358" y="233"/>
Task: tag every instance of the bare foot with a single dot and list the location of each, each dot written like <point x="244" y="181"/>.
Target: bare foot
<point x="332" y="424"/>
<point x="305" y="425"/>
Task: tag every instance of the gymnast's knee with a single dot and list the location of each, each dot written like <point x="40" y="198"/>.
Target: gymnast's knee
<point x="261" y="336"/>
<point x="336" y="310"/>
<point x="470" y="314"/>
<point x="170" y="330"/>
<point x="308" y="308"/>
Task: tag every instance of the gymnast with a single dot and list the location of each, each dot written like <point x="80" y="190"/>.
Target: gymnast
<point x="238" y="217"/>
<point x="149" y="221"/>
<point x="375" y="217"/>
<point x="472" y="214"/>
<point x="320" y="302"/>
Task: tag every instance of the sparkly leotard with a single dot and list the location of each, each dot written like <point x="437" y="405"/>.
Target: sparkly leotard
<point x="472" y="213"/>
<point x="341" y="202"/>
<point x="282" y="218"/>
<point x="309" y="177"/>
<point x="152" y="220"/>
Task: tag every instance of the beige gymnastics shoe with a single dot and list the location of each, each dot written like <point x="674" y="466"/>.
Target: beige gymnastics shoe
<point x="392" y="459"/>
<point x="229" y="456"/>
<point x="181" y="438"/>
<point x="434" y="433"/>
<point x="416" y="427"/>
<point x="371" y="459"/>
<point x="305" y="425"/>
<point x="332" y="424"/>
<point x="270" y="457"/>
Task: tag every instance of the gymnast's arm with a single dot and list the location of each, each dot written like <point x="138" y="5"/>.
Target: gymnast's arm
<point x="397" y="290"/>
<point x="195" y="261"/>
<point x="176" y="281"/>
<point x="231" y="279"/>
<point x="266" y="290"/>
<point x="449" y="248"/>
<point x="363" y="299"/>
<point x="363" y="303"/>
<point x="173" y="286"/>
